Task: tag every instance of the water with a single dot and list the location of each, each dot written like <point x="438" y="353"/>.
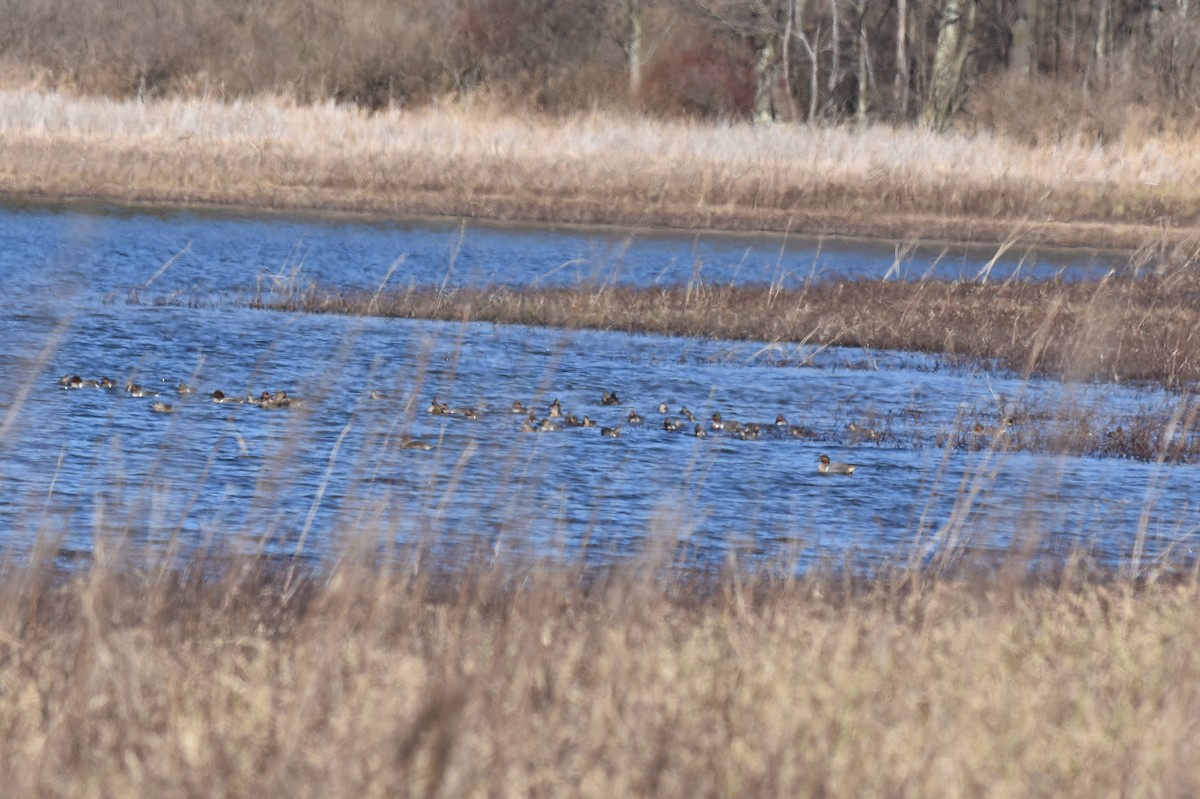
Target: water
<point x="81" y="294"/>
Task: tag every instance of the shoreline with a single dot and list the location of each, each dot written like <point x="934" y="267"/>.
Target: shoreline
<point x="597" y="170"/>
<point x="926" y="230"/>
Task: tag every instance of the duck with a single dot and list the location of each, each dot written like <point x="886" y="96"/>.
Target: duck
<point x="219" y="397"/>
<point x="438" y="408"/>
<point x="139" y="391"/>
<point x="634" y="418"/>
<point x="609" y="398"/>
<point x="662" y="408"/>
<point x="518" y="406"/>
<point x="107" y="382"/>
<point x="750" y="432"/>
<point x="408" y="442"/>
<point x="610" y="432"/>
<point x="276" y="401"/>
<point x="728" y="425"/>
<point x="161" y="407"/>
<point x="556" y="408"/>
<point x="700" y="432"/>
<point x="781" y="420"/>
<point x="672" y="425"/>
<point x="78" y="382"/>
<point x="550" y="426"/>
<point x="826" y="466"/>
<point x="184" y="389"/>
<point x="571" y="420"/>
<point x="587" y="421"/>
<point x="859" y="433"/>
<point x="686" y="414"/>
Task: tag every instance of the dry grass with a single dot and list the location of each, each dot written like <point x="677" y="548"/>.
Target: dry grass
<point x="599" y="168"/>
<point x="363" y="682"/>
<point x="1123" y="328"/>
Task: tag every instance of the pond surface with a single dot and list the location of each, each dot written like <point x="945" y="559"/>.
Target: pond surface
<point x="160" y="298"/>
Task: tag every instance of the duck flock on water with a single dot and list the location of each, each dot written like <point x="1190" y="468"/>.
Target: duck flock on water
<point x="555" y="419"/>
<point x="266" y="400"/>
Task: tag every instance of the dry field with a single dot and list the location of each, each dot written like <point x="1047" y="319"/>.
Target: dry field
<point x="467" y="159"/>
<point x="227" y="680"/>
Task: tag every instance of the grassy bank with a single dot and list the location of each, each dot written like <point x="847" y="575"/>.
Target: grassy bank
<point x="1120" y="328"/>
<point x="604" y="167"/>
<point x="365" y="683"/>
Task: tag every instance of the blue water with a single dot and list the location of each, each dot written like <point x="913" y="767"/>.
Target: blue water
<point x="163" y="297"/>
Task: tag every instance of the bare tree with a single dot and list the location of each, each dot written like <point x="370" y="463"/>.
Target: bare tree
<point x="948" y="87"/>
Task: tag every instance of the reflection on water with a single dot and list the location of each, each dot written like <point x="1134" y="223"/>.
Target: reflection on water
<point x="91" y="462"/>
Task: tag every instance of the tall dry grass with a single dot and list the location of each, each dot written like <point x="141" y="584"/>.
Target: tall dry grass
<point x="363" y="681"/>
<point x="1139" y="325"/>
<point x="470" y="160"/>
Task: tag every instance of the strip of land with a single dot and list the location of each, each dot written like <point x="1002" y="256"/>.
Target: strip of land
<point x="1122" y="328"/>
<point x="468" y="160"/>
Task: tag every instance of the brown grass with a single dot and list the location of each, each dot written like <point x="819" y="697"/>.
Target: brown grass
<point x="1122" y="328"/>
<point x="470" y="160"/>
<point x="364" y="682"/>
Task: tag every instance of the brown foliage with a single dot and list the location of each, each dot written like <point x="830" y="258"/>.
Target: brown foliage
<point x="1125" y="328"/>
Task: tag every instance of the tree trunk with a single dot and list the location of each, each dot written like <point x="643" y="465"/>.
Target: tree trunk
<point x="1020" y="55"/>
<point x="633" y="48"/>
<point x="902" y="78"/>
<point x="765" y="73"/>
<point x="947" y="90"/>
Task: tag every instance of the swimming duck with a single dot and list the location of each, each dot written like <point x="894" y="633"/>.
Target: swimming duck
<point x="662" y="407"/>
<point x="183" y="389"/>
<point x="556" y="408"/>
<point x="717" y="422"/>
<point x="587" y="422"/>
<point x="700" y="432"/>
<point x="672" y="425"/>
<point x="609" y="398"/>
<point x="571" y="420"/>
<point x="634" y="418"/>
<point x="518" y="407"/>
<point x="826" y="466"/>
<point x="107" y="382"/>
<point x="610" y="432"/>
<point x="686" y="414"/>
<point x="276" y="401"/>
<point x="78" y="382"/>
<point x="750" y="432"/>
<point x="140" y="391"/>
<point x="549" y="426"/>
<point x="859" y="433"/>
<point x="780" y="420"/>
<point x="161" y="407"/>
<point x="65" y="380"/>
<point x="218" y="396"/>
<point x="438" y="408"/>
<point x="408" y="442"/>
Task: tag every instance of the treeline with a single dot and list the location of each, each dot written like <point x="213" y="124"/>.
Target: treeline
<point x="1017" y="65"/>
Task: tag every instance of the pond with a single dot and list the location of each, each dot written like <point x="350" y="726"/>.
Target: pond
<point x="161" y="297"/>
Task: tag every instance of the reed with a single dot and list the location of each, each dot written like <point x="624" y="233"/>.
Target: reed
<point x="365" y="681"/>
<point x="601" y="167"/>
<point x="1126" y="327"/>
